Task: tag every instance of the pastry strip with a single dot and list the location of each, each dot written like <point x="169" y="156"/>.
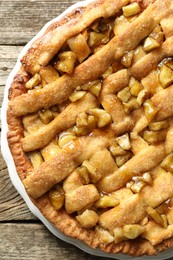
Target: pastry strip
<point x="92" y="68"/>
<point x="64" y="120"/>
<point x="45" y="48"/>
<point x="150" y="61"/>
<point x="115" y="82"/>
<point x="119" y="80"/>
<point x="165" y="109"/>
<point x="169" y="140"/>
<point x="156" y="233"/>
<point x="128" y="212"/>
<point x="138" y="143"/>
<point x="111" y="85"/>
<point x="163" y="100"/>
<point x="122" y="122"/>
<point x="166" y="24"/>
<point x="77" y="195"/>
<point x="161" y="190"/>
<point x="141" y="123"/>
<point x="59" y="90"/>
<point x="114" y="107"/>
<point x="81" y="198"/>
<point x="134" y="167"/>
<point x="123" y="127"/>
<point x="109" y="164"/>
<point x="133" y="210"/>
<point x="60" y="166"/>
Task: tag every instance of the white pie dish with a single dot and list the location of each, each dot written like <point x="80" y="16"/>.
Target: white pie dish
<point x="17" y="182"/>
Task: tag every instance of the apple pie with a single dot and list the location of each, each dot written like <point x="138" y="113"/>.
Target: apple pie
<point x="90" y="119"/>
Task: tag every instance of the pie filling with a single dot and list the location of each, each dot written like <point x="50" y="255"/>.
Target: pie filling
<point x="98" y="121"/>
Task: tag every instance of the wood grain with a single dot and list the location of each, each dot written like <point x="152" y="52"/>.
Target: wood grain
<point x="21" y="20"/>
<point x="34" y="241"/>
<point x="12" y="206"/>
<point x="8" y="58"/>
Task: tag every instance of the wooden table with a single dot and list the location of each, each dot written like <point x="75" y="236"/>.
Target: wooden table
<point x="22" y="235"/>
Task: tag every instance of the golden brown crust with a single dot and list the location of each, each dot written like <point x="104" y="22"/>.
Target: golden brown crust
<point x="60" y="218"/>
<point x="15" y="133"/>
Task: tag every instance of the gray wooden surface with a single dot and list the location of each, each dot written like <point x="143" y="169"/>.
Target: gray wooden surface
<point x="22" y="235"/>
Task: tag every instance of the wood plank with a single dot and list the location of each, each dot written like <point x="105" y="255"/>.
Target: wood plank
<point x="1" y="98"/>
<point x="8" y="58"/>
<point x="34" y="241"/>
<point x="21" y="20"/>
<point x="12" y="206"/>
<point x="3" y="165"/>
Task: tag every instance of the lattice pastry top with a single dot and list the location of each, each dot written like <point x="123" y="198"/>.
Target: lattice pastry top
<point x="91" y="125"/>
